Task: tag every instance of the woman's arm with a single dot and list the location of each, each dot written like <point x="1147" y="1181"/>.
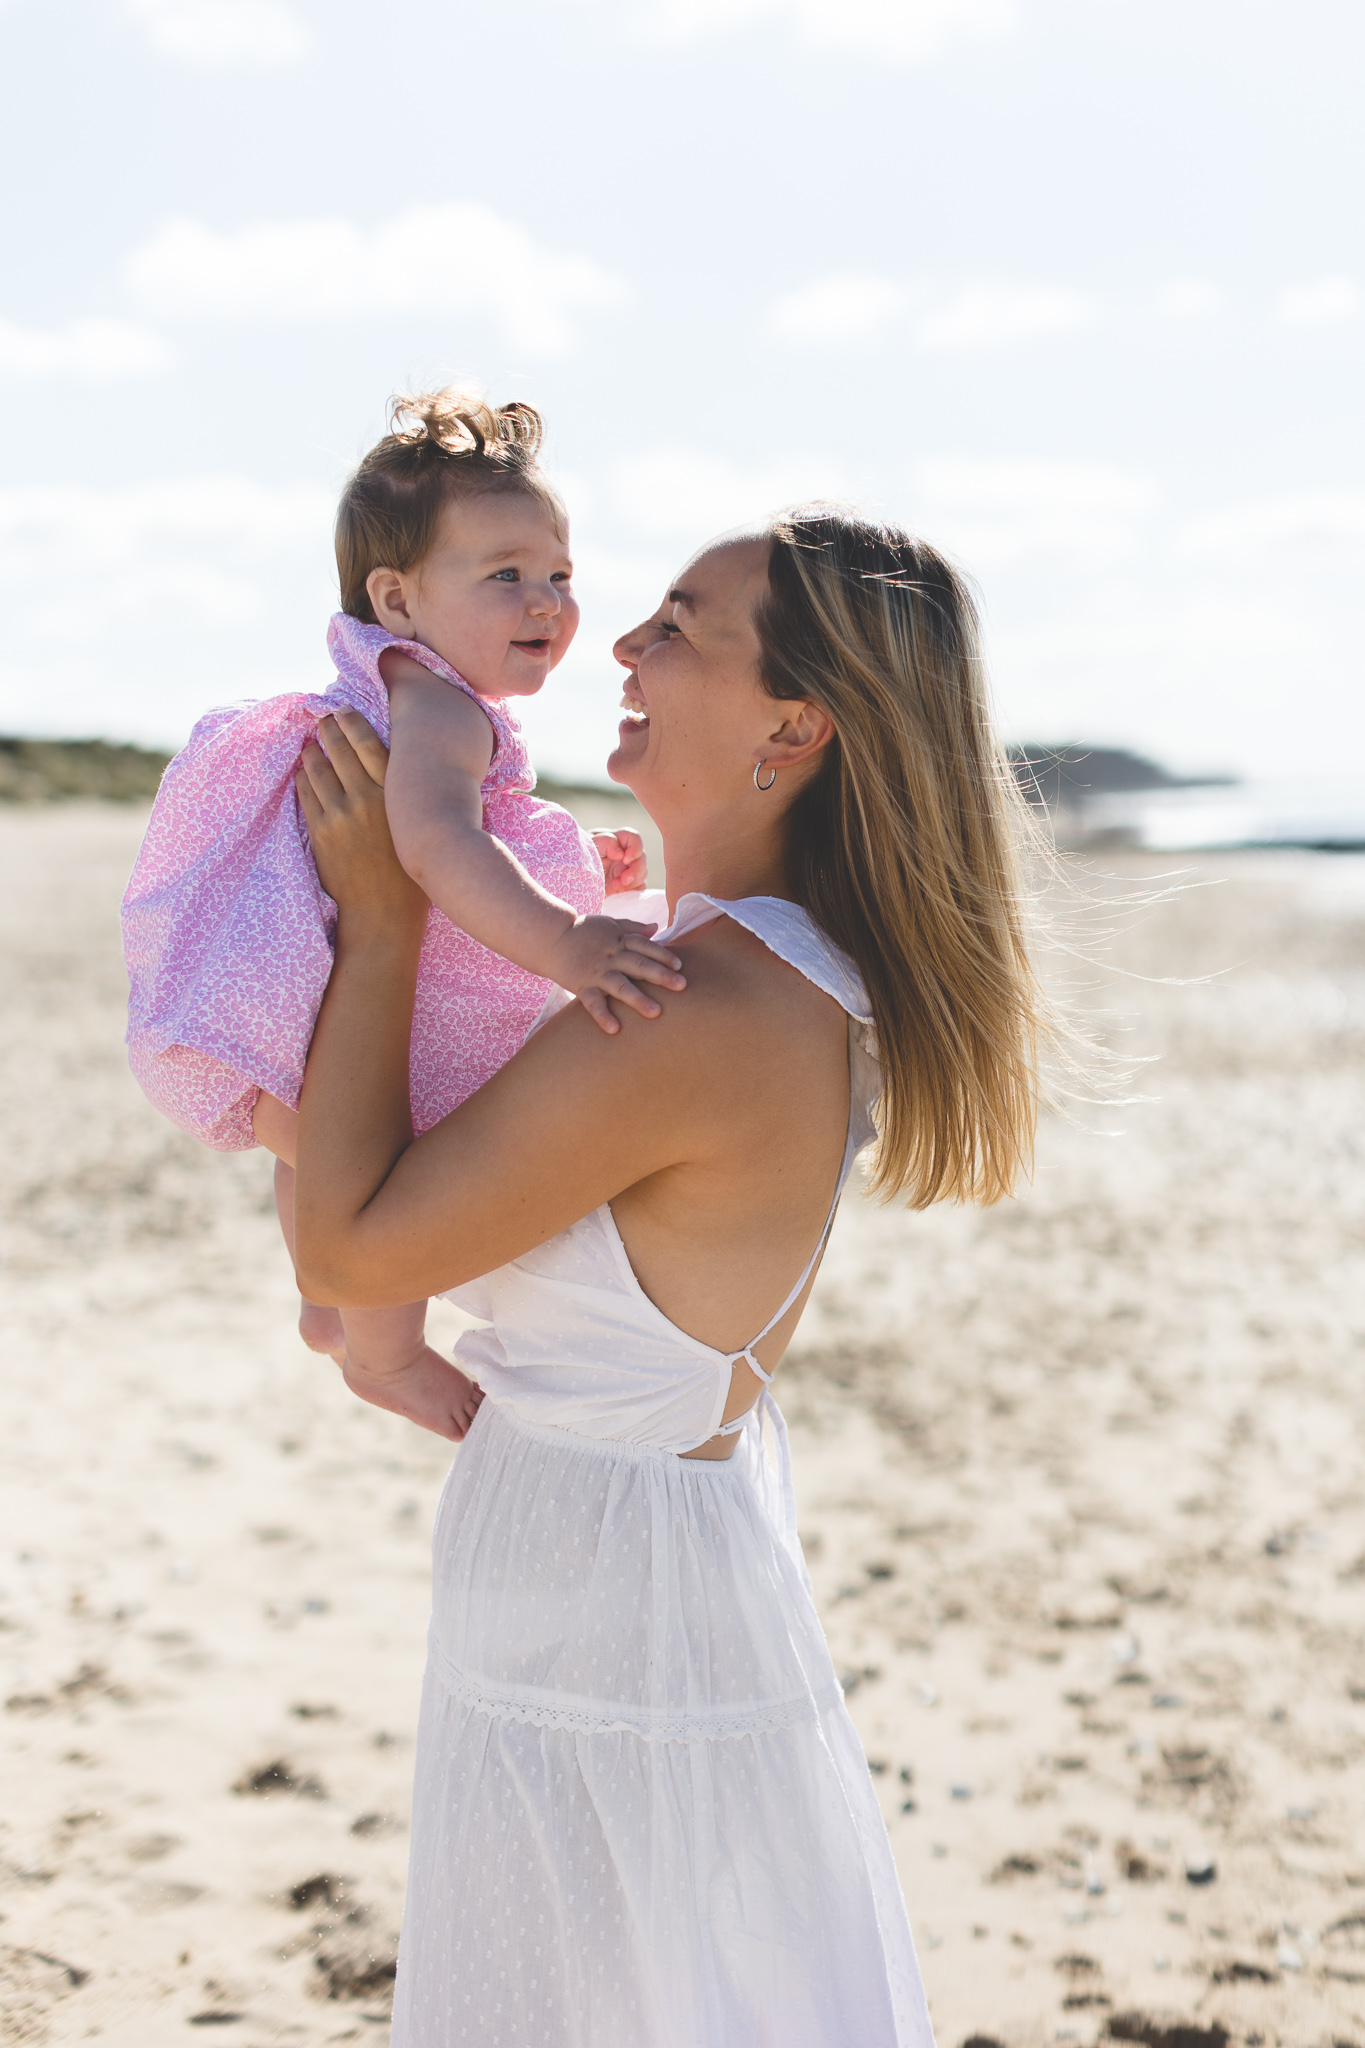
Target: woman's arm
<point x="570" y="1122"/>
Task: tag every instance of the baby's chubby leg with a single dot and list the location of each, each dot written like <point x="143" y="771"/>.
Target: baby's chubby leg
<point x="383" y="1352"/>
<point x="320" y="1328"/>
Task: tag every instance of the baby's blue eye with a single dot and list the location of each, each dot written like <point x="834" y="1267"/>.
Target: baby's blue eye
<point x="506" y="575"/>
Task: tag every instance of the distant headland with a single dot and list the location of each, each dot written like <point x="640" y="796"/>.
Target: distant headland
<point x="102" y="771"/>
<point x="1094" y="797"/>
<point x="1070" y="774"/>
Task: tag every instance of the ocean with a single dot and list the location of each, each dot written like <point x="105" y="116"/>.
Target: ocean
<point x="1325" y="813"/>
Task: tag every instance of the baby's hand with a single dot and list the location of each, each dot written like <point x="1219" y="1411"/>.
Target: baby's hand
<point x="623" y="857"/>
<point x="601" y="957"/>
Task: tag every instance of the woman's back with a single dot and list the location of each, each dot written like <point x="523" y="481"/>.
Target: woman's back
<point x="634" y="1322"/>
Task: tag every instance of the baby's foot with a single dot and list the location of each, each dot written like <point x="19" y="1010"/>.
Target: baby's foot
<point x="320" y="1329"/>
<point x="428" y="1390"/>
<point x="464" y="1404"/>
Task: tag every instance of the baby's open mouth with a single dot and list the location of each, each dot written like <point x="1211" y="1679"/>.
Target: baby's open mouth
<point x="532" y="646"/>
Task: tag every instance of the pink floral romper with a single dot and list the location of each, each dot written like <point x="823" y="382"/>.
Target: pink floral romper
<point x="228" y="932"/>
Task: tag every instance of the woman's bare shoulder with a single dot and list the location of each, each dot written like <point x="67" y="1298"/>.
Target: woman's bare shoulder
<point x="739" y="968"/>
<point x="727" y="1038"/>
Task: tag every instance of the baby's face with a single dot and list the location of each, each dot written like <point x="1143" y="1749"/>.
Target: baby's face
<point x="494" y="598"/>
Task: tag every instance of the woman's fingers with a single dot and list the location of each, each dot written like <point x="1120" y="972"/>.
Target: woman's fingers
<point x="321" y="779"/>
<point x="352" y="771"/>
<point x="348" y="827"/>
<point x="366" y="743"/>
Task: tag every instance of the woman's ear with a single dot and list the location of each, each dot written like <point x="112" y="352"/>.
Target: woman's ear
<point x="389" y="602"/>
<point x="805" y="731"/>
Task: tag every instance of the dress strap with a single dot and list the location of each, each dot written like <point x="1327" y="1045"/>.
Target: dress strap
<point x="776" y="1485"/>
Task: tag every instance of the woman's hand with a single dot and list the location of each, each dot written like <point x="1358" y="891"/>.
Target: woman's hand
<point x="341" y="794"/>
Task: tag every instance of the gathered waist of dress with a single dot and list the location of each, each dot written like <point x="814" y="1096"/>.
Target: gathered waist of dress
<point x="603" y="1446"/>
<point x="631" y="1393"/>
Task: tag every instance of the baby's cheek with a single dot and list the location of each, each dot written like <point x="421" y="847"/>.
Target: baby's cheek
<point x="568" y="626"/>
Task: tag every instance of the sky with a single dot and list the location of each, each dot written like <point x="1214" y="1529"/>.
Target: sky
<point x="1075" y="288"/>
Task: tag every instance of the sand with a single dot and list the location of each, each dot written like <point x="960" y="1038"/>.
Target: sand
<point x="1079" y="1478"/>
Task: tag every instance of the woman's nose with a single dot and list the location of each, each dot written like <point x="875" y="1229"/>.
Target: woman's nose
<point x="631" y="646"/>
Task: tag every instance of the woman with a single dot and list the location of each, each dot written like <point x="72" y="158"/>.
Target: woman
<point x="642" y="1816"/>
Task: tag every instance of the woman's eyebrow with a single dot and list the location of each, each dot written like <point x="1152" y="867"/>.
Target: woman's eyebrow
<point x="680" y="597"/>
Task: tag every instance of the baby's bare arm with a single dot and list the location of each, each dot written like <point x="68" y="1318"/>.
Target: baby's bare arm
<point x="441" y="746"/>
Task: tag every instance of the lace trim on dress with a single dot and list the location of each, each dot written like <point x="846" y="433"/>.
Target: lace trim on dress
<point x="536" y="1708"/>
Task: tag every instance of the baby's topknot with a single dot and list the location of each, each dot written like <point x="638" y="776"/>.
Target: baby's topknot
<point x="458" y="422"/>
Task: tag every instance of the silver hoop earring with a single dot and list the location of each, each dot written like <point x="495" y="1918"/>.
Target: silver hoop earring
<point x="770" y="781"/>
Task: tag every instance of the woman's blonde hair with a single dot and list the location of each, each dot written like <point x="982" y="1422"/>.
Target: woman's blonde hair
<point x="440" y="445"/>
<point x="905" y="844"/>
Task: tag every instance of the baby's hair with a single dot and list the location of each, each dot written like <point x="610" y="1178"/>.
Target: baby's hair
<point x="441" y="445"/>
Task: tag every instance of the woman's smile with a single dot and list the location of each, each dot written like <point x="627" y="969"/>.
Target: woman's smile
<point x="636" y="717"/>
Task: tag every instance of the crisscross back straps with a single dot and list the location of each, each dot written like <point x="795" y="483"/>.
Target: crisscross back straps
<point x="746" y="1356"/>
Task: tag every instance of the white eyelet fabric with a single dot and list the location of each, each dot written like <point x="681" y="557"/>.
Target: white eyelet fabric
<point x="642" y="1818"/>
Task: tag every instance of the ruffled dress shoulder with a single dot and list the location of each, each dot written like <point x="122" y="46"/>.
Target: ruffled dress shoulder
<point x="228" y="932"/>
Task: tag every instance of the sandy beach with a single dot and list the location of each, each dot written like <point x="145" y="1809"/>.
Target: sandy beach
<point x="1080" y="1483"/>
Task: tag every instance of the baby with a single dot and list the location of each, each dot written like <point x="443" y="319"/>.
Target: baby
<point x="452" y="550"/>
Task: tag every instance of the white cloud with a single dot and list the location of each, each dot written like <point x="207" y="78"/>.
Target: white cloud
<point x="906" y="31"/>
<point x="193" y="551"/>
<point x="840" y="308"/>
<point x="1016" y="485"/>
<point x="990" y="315"/>
<point x="88" y="351"/>
<point x="679" y="495"/>
<point x="1212" y="675"/>
<point x="1327" y="526"/>
<point x="454" y="259"/>
<point x="1188" y="298"/>
<point x="191" y="592"/>
<point x="1321" y="302"/>
<point x="220" y="31"/>
<point x="994" y="513"/>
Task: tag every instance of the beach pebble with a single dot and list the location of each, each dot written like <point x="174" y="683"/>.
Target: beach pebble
<point x="1200" y="1869"/>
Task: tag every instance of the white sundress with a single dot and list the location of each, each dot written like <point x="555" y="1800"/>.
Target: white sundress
<point x="641" y="1816"/>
